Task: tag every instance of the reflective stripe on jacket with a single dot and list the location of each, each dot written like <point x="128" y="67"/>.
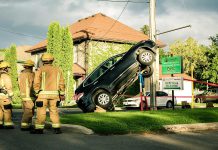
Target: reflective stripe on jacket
<point x="6" y="84"/>
<point x="26" y="84"/>
<point x="49" y="81"/>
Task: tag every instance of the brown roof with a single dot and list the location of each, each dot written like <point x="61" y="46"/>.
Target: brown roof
<point x="101" y="27"/>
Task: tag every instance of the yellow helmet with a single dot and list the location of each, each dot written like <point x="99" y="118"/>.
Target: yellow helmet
<point x="47" y="57"/>
<point x="28" y="63"/>
<point x="4" y="64"/>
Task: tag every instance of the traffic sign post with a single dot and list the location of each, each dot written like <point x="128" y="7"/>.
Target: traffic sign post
<point x="172" y="65"/>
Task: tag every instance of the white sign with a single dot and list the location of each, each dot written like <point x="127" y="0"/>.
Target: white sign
<point x="172" y="83"/>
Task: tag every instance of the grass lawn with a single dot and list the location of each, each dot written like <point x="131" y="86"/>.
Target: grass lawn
<point x="137" y="122"/>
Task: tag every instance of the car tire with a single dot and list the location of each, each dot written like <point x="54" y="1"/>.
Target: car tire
<point x="169" y="104"/>
<point x="146" y="57"/>
<point x="197" y="100"/>
<point x="103" y="99"/>
<point x="147" y="72"/>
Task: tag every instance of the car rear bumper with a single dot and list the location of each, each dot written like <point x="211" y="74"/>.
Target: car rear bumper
<point x="85" y="104"/>
<point x="130" y="104"/>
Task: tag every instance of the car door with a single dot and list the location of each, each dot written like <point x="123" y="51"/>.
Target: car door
<point x="162" y="98"/>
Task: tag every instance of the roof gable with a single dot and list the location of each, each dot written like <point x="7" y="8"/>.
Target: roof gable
<point x="103" y="28"/>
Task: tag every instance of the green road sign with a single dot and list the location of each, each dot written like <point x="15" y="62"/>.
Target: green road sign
<point x="171" y="65"/>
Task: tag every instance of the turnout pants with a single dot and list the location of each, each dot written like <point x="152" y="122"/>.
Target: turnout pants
<point x="27" y="113"/>
<point x="5" y="112"/>
<point x="42" y="104"/>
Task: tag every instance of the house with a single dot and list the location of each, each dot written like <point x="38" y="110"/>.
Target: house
<point x="181" y="95"/>
<point x="97" y="30"/>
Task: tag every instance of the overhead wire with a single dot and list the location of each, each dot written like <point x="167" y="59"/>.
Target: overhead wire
<point x="19" y="33"/>
<point x="124" y="1"/>
<point x="125" y="6"/>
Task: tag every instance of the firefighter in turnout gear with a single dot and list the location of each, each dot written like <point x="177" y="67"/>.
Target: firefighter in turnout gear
<point x="27" y="94"/>
<point x="6" y="94"/>
<point x="50" y="87"/>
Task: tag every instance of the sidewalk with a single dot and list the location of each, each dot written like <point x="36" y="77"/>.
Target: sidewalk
<point x="191" y="127"/>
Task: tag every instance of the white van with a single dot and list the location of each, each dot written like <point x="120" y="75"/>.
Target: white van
<point x="163" y="100"/>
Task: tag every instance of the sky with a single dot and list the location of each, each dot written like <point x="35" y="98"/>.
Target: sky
<point x="25" y="22"/>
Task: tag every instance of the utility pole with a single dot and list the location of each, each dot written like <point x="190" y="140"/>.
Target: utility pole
<point x="155" y="76"/>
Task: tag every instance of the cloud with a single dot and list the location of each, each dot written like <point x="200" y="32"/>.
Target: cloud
<point x="203" y="24"/>
<point x="33" y="17"/>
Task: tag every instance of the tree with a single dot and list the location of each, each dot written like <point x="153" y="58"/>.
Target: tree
<point x="145" y="29"/>
<point x="192" y="53"/>
<point x="211" y="68"/>
<point x="67" y="61"/>
<point x="162" y="54"/>
<point x="102" y="51"/>
<point x="11" y="58"/>
<point x="54" y="46"/>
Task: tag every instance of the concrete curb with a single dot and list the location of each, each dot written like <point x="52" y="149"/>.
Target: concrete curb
<point x="77" y="129"/>
<point x="191" y="127"/>
<point x="72" y="128"/>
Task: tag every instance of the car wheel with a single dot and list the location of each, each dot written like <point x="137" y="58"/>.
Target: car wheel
<point x="148" y="71"/>
<point x="146" y="57"/>
<point x="103" y="99"/>
<point x="197" y="100"/>
<point x="169" y="104"/>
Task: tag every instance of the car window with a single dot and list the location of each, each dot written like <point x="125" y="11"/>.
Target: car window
<point x="102" y="69"/>
<point x="147" y="93"/>
<point x="160" y="93"/>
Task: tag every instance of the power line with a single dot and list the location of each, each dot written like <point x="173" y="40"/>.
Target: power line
<point x="18" y="33"/>
<point x="115" y="21"/>
<point x="123" y="1"/>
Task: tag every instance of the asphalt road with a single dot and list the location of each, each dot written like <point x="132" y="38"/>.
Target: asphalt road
<point x="16" y="140"/>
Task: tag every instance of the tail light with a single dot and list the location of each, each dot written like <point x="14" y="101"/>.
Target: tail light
<point x="76" y="97"/>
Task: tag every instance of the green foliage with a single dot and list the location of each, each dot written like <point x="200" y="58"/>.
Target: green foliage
<point x="145" y="29"/>
<point x="60" y="44"/>
<point x="192" y="53"/>
<point x="67" y="61"/>
<point x="137" y="122"/>
<point x="11" y="57"/>
<point x="210" y="70"/>
<point x="162" y="54"/>
<point x="102" y="51"/>
<point x="54" y="37"/>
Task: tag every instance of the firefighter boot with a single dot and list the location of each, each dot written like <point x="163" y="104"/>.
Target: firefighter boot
<point x="1" y="126"/>
<point x="9" y="127"/>
<point x="36" y="131"/>
<point x="57" y="131"/>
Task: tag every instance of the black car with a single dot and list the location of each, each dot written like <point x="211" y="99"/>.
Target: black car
<point x="113" y="76"/>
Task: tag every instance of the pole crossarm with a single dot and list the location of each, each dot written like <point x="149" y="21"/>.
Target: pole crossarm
<point x="173" y="30"/>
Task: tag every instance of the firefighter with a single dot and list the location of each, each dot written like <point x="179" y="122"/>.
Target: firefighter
<point x="27" y="94"/>
<point x="50" y="88"/>
<point x="6" y="94"/>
